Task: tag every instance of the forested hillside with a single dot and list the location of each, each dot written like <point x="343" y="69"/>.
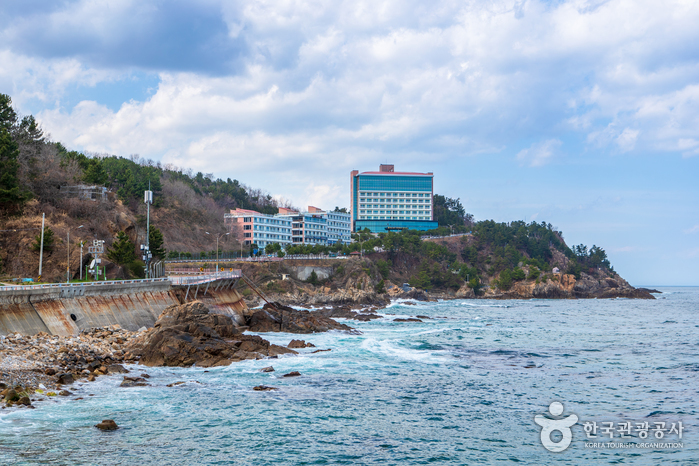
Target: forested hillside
<point x="35" y="171"/>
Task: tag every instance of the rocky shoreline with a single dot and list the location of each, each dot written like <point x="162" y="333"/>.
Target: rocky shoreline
<point x="554" y="286"/>
<point x="38" y="367"/>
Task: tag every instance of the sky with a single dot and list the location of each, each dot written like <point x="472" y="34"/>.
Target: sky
<point x="582" y="114"/>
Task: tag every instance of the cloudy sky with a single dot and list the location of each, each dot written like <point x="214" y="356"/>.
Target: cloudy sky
<point x="584" y="114"/>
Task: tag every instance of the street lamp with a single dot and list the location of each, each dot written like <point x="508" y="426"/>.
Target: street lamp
<point x="217" y="238"/>
<point x="68" y="268"/>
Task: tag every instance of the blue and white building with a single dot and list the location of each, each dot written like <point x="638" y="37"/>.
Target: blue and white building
<point x="388" y="200"/>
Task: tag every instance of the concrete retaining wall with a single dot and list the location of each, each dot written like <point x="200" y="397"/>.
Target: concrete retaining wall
<point x="303" y="272"/>
<point x="67" y="310"/>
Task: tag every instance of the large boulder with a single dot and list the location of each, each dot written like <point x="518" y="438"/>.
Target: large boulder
<point x="279" y="318"/>
<point x="189" y="334"/>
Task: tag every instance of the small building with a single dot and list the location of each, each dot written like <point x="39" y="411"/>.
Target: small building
<point x="81" y="191"/>
<point x="556" y="270"/>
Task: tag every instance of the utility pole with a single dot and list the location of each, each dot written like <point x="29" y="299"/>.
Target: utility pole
<point x="148" y="199"/>
<point x="41" y="251"/>
<point x="81" y="260"/>
<point x="217" y="238"/>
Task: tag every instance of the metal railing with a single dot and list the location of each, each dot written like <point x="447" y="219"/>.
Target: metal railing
<point x="201" y="279"/>
<point x="78" y="285"/>
<point x="261" y="259"/>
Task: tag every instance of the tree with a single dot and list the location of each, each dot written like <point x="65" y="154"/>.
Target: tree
<point x="505" y="281"/>
<point x="313" y="278"/>
<point x="48" y="241"/>
<point x="380" y="287"/>
<point x="384" y="267"/>
<point x="155" y="242"/>
<point x="29" y="130"/>
<point x="518" y="274"/>
<point x="448" y="211"/>
<point x="122" y="251"/>
<point x="8" y="116"/>
<point x="272" y="248"/>
<point x="11" y="196"/>
<point x="343" y="210"/>
<point x="95" y="173"/>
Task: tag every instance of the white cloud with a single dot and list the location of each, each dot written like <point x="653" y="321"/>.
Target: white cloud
<point x="336" y="85"/>
<point x="694" y="229"/>
<point x="627" y="139"/>
<point x="539" y="154"/>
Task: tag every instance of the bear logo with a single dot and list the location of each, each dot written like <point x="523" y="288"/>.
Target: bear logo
<point x="549" y="426"/>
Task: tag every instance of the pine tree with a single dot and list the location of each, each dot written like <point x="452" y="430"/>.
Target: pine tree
<point x="8" y="116"/>
<point x="11" y="196"/>
<point x="122" y="250"/>
<point x="48" y="241"/>
<point x="95" y="173"/>
<point x="155" y="242"/>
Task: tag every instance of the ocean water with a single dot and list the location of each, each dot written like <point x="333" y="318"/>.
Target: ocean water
<point x="462" y="387"/>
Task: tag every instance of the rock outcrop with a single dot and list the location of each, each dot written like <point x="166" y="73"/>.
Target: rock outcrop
<point x="189" y="334"/>
<point x="279" y="318"/>
<point x="565" y="286"/>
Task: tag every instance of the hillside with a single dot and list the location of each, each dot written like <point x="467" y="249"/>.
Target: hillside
<point x="497" y="260"/>
<point x="35" y="172"/>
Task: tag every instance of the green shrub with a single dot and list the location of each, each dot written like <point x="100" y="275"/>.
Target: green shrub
<point x="518" y="274"/>
<point x="380" y="287"/>
<point x="384" y="267"/>
<point x="137" y="269"/>
<point x="313" y="278"/>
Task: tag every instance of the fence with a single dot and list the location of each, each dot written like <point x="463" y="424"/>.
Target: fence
<point x="78" y="285"/>
<point x="200" y="279"/>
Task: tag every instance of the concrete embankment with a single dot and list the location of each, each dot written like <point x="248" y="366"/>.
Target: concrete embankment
<point x="66" y="310"/>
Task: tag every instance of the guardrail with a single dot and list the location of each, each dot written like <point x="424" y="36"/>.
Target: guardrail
<point x="189" y="271"/>
<point x="78" y="285"/>
<point x="200" y="279"/>
<point x="259" y="259"/>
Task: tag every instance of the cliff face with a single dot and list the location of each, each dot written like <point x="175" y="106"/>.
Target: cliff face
<point x="565" y="286"/>
<point x="356" y="282"/>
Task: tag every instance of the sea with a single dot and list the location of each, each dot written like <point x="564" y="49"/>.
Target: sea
<point x="464" y="386"/>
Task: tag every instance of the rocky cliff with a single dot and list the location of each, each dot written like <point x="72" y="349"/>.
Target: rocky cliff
<point x="356" y="283"/>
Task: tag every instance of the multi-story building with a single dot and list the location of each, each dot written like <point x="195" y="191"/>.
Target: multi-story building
<point x="306" y="227"/>
<point x="339" y="227"/>
<point x="317" y="226"/>
<point x="388" y="200"/>
<point x="251" y="227"/>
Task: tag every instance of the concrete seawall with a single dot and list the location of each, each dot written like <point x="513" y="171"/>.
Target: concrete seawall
<point x="66" y="310"/>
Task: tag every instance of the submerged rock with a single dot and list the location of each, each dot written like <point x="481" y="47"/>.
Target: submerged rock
<point x="292" y="374"/>
<point x="189" y="334"/>
<point x="133" y="382"/>
<point x="267" y="369"/>
<point x="264" y="388"/>
<point x="107" y="424"/>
